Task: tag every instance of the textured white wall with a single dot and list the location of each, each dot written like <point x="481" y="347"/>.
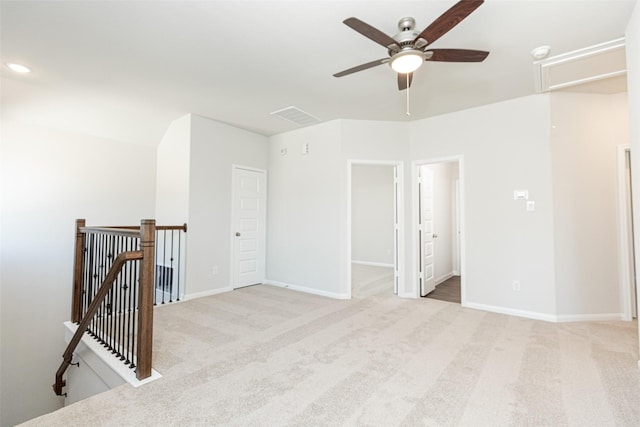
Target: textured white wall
<point x="587" y="128"/>
<point x="505" y="147"/>
<point x="372" y="224"/>
<point x="50" y="178"/>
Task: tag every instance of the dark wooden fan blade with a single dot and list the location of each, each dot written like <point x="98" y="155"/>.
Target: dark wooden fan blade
<point x="456" y="55"/>
<point x="448" y="20"/>
<point x="362" y="67"/>
<point x="371" y="32"/>
<point x="402" y="81"/>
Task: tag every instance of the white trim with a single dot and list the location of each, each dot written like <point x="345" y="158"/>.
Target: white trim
<point x="626" y="282"/>
<point x="444" y="277"/>
<point x="399" y="165"/>
<point x="587" y="80"/>
<point x="603" y="317"/>
<point x="103" y="362"/>
<point x="562" y="318"/>
<point x="208" y="293"/>
<point x="263" y="235"/>
<point x="372" y="264"/>
<point x="415" y="282"/>
<point x="512" y="311"/>
<point x="541" y="68"/>
<point x="307" y="290"/>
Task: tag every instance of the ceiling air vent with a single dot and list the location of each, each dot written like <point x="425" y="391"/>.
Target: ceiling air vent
<point x="297" y="116"/>
<point x="595" y="63"/>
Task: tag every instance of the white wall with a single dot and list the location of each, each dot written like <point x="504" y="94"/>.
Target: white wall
<point x="587" y="128"/>
<point x="632" y="36"/>
<point x="172" y="175"/>
<point x="444" y="176"/>
<point x="215" y="147"/>
<point x="304" y="208"/>
<point x="505" y="146"/>
<point x="50" y="178"/>
<point x="372" y="206"/>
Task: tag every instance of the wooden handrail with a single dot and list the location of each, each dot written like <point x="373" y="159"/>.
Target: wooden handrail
<point x="127" y="232"/>
<point x="107" y="228"/>
<point x="106" y="286"/>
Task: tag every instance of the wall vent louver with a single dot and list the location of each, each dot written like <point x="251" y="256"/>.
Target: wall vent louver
<point x="297" y="116"/>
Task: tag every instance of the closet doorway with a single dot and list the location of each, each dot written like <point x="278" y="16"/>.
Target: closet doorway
<point x="375" y="228"/>
<point x="439" y="231"/>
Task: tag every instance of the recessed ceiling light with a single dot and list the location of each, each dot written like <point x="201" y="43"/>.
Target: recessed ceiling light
<point x="18" y="68"/>
<point x="540" y="52"/>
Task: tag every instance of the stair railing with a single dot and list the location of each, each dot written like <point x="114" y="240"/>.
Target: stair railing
<point x="113" y="293"/>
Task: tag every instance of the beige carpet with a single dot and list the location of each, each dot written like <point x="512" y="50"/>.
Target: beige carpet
<point x="266" y="356"/>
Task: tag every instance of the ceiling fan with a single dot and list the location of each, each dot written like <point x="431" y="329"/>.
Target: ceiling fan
<point x="409" y="49"/>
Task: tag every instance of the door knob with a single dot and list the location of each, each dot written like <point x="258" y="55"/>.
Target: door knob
<point x="237" y="234"/>
<point x="435" y="236"/>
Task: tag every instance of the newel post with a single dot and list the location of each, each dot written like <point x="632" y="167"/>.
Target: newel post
<point x="78" y="272"/>
<point x="145" y="301"/>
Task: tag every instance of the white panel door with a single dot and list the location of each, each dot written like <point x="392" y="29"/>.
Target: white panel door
<point x="427" y="256"/>
<point x="249" y="203"/>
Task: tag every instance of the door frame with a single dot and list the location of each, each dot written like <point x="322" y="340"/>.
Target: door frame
<point x="415" y="277"/>
<point x="625" y="238"/>
<point x="399" y="214"/>
<point x="263" y="219"/>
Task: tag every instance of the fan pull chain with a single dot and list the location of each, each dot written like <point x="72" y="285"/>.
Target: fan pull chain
<point x="408" y="112"/>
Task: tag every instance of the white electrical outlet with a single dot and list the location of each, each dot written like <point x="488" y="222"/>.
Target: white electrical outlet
<point x="516" y="286"/>
<point x="214" y="270"/>
<point x="531" y="206"/>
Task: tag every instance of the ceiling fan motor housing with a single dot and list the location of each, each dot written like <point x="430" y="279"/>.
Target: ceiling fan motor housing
<point x="406" y="36"/>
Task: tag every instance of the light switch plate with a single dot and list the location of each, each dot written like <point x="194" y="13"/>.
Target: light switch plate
<point x="520" y="195"/>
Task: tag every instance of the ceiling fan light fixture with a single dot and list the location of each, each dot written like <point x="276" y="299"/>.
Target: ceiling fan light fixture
<point x="407" y="61"/>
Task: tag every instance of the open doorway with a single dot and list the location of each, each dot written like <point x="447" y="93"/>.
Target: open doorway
<point x="439" y="230"/>
<point x="375" y="219"/>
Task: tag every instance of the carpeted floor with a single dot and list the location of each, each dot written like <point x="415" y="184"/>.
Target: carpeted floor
<point x="267" y="356"/>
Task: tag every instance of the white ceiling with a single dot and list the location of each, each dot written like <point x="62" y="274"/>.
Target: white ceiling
<point x="125" y="70"/>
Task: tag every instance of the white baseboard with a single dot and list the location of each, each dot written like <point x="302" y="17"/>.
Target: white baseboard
<point x="306" y="289"/>
<point x="603" y="317"/>
<point x="188" y="297"/>
<point x="373" y="264"/>
<point x="444" y="277"/>
<point x="512" y="311"/>
<point x="555" y="318"/>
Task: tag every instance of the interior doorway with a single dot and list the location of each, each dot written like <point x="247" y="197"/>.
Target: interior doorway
<point x="439" y="237"/>
<point x="248" y="213"/>
<point x="629" y="285"/>
<point x="374" y="228"/>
